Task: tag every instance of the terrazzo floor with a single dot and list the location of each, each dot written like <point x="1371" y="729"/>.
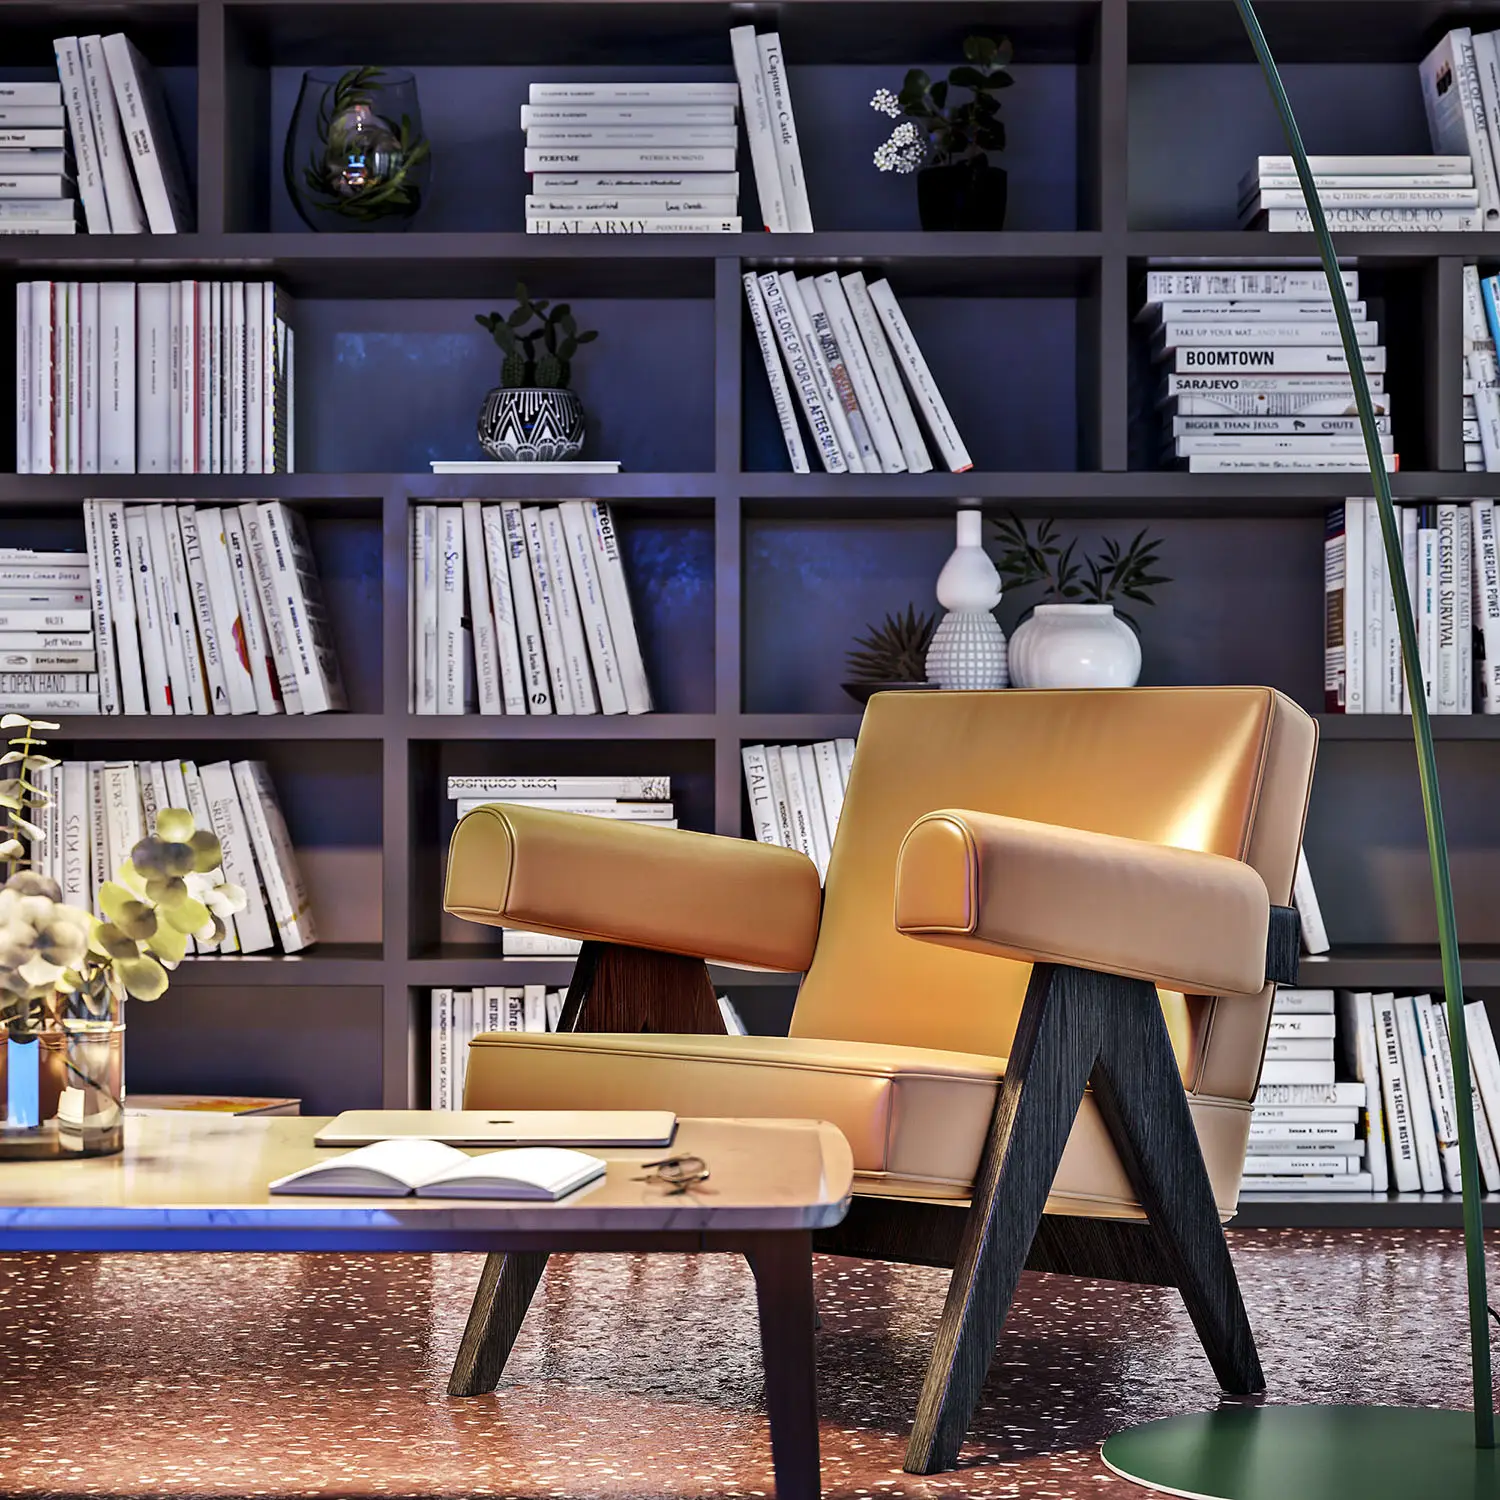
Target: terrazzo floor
<point x="281" y="1375"/>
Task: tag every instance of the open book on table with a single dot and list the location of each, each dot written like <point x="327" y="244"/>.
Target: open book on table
<point x="396" y="1169"/>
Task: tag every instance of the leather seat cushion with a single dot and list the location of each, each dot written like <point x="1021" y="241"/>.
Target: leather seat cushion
<point x="915" y="1118"/>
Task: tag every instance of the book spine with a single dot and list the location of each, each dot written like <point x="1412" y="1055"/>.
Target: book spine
<point x="626" y="114"/>
<point x="60" y="377"/>
<point x="117" y="571"/>
<point x="204" y="376"/>
<point x="781" y="396"/>
<point x="529" y="639"/>
<point x="593" y="613"/>
<point x="758" y="790"/>
<point x="841" y="382"/>
<point x="164" y="195"/>
<point x="23" y="378"/>
<point x="1367" y="1052"/>
<point x="220" y="599"/>
<point x="234" y="295"/>
<point x="1375" y="220"/>
<point x="796" y="801"/>
<point x="513" y="687"/>
<point x="784" y="141"/>
<point x="569" y="617"/>
<point x="286" y="892"/>
<point x="630" y="159"/>
<point x="148" y="611"/>
<point x="1334" y="392"/>
<point x="1297" y="359"/>
<point x="99" y="587"/>
<point x="1375" y="611"/>
<point x="263" y="571"/>
<point x="817" y="820"/>
<point x="610" y="567"/>
<point x="1356" y="699"/>
<point x="320" y="685"/>
<point x="632" y="93"/>
<point x="817" y="358"/>
<point x="924" y="388"/>
<point x="41" y="377"/>
<point x="50" y="661"/>
<point x="1309" y="915"/>
<point x="255" y="385"/>
<point x="1485" y="1062"/>
<point x="1447" y="608"/>
<point x="804" y="380"/>
<point x="776" y="777"/>
<point x="77" y="887"/>
<point x="546" y="603"/>
<point x="627" y="206"/>
<point x="755" y="106"/>
<point x="1484" y="1139"/>
<point x="845" y="749"/>
<point x="256" y="644"/>
<point x="866" y="388"/>
<point x="688" y="185"/>
<point x="1427" y="603"/>
<point x="117" y="372"/>
<point x="47" y="619"/>
<point x="252" y="924"/>
<point x="1463" y="609"/>
<point x="481" y="614"/>
<point x="425" y="587"/>
<point x="1429" y="1165"/>
<point x="81" y="129"/>
<point x="830" y="786"/>
<point x="184" y="781"/>
<point x="1410" y="565"/>
<point x="542" y="788"/>
<point x="218" y="396"/>
<point x="450" y="611"/>
<point x="630" y="135"/>
<point x="28" y="138"/>
<point x="1487" y="577"/>
<point x="1270" y="197"/>
<point x="174" y="377"/>
<point x="188" y="695"/>
<point x="123" y="827"/>
<point x="153" y="378"/>
<point x="1404" y="1170"/>
<point x="210" y="647"/>
<point x="1434" y="1042"/>
<point x="125" y="215"/>
<point x="1211" y="333"/>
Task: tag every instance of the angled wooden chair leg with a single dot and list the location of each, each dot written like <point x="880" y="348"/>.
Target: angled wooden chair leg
<point x="1055" y="1047"/>
<point x="1139" y="1092"/>
<point x="505" y="1290"/>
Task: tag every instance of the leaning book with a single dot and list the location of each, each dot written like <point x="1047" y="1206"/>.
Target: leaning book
<point x="429" y="1169"/>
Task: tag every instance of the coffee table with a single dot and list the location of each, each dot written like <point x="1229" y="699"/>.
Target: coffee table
<point x="187" y="1182"/>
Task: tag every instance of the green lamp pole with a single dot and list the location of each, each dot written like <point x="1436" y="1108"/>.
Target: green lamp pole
<point x="1327" y="1452"/>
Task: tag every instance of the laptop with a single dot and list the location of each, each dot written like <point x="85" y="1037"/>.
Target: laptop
<point x="502" y="1127"/>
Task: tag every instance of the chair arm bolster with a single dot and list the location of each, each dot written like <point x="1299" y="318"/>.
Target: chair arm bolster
<point x="1182" y="919"/>
<point x="723" y="899"/>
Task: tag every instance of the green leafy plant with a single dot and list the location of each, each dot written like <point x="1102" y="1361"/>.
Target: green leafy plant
<point x="362" y="167"/>
<point x="935" y="130"/>
<point x="549" y="367"/>
<point x="19" y="794"/>
<point x="894" y="651"/>
<point x="1113" y="574"/>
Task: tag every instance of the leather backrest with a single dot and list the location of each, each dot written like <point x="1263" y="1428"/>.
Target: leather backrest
<point x="1225" y="770"/>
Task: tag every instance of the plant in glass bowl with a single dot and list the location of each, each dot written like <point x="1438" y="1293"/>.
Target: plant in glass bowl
<point x="947" y="143"/>
<point x="1078" y="636"/>
<point x="533" y="416"/>
<point x="65" y="973"/>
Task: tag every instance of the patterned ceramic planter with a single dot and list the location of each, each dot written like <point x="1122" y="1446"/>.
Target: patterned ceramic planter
<point x="528" y="425"/>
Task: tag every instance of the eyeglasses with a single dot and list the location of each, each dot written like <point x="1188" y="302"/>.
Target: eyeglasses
<point x="677" y="1173"/>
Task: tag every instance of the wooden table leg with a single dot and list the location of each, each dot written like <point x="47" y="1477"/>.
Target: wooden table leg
<point x="505" y="1289"/>
<point x="782" y="1264"/>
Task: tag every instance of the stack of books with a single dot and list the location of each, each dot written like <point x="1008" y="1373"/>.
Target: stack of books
<point x="1461" y="91"/>
<point x="98" y="811"/>
<point x="1481" y="376"/>
<point x="851" y="358"/>
<point x="48" y="652"/>
<point x="37" y="188"/>
<point x="1361" y="194"/>
<point x="458" y="1016"/>
<point x="1253" y="372"/>
<point x="521" y="609"/>
<point x="130" y="177"/>
<point x="183" y="609"/>
<point x="180" y="377"/>
<point x="631" y="158"/>
<point x="631" y="799"/>
<point x="1303" y="1125"/>
<point x="1451" y="559"/>
<point x="796" y="794"/>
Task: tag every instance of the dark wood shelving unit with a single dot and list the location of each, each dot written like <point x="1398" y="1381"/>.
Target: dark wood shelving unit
<point x="750" y="581"/>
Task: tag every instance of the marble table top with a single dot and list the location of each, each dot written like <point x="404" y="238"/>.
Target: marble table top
<point x="198" y="1182"/>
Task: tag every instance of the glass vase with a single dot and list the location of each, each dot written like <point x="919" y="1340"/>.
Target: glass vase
<point x="356" y="160"/>
<point x="62" y="1080"/>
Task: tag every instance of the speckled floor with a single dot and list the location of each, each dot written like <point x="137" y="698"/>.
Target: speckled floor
<point x="237" y="1376"/>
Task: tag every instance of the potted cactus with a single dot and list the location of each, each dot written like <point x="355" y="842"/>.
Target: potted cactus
<point x="533" y="416"/>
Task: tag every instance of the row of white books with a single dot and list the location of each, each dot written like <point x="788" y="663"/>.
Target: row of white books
<point x="1461" y="92"/>
<point x="1451" y="559"/>
<point x="1209" y="345"/>
<point x="1481" y="372"/>
<point x="179" y="377"/>
<point x="521" y="609"/>
<point x="796" y="794"/>
<point x="98" y="811"/>
<point x="851" y="359"/>
<point x="632" y="799"/>
<point x="187" y="609"/>
<point x="105" y="118"/>
<point x="1362" y="193"/>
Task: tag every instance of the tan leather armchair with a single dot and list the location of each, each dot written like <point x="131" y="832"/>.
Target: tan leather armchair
<point x="1036" y="994"/>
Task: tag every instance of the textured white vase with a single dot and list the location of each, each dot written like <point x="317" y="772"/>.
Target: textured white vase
<point x="1074" y="646"/>
<point x="968" y="647"/>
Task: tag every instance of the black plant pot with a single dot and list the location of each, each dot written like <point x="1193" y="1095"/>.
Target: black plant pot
<point x="961" y="196"/>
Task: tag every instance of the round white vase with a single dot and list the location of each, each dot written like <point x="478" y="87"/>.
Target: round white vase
<point x="1074" y="646"/>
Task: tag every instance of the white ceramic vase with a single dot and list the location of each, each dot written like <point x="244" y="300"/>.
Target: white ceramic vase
<point x="1074" y="646"/>
<point x="968" y="647"/>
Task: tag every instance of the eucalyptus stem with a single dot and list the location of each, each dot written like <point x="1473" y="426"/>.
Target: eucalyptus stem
<point x="1432" y="808"/>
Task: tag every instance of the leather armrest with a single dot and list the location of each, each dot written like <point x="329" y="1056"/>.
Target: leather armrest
<point x="1182" y="919"/>
<point x="727" y="900"/>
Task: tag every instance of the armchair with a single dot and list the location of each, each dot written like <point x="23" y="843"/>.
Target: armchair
<point x="1036" y="995"/>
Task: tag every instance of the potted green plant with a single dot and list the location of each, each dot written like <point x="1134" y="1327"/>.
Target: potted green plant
<point x="946" y="143"/>
<point x="890" y="655"/>
<point x="533" y="416"/>
<point x="1076" y="637"/>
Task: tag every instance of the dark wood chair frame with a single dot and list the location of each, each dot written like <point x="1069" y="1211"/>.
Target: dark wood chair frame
<point x="1078" y="1029"/>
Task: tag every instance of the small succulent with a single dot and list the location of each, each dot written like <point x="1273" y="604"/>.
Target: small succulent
<point x="1115" y="573"/>
<point x="524" y="365"/>
<point x="933" y="133"/>
<point x="895" y="651"/>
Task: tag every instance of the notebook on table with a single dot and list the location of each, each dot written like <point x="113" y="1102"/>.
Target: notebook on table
<point x="503" y="1127"/>
<point x="429" y="1169"/>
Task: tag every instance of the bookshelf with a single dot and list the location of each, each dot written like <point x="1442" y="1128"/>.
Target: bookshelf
<point x="1131" y="122"/>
